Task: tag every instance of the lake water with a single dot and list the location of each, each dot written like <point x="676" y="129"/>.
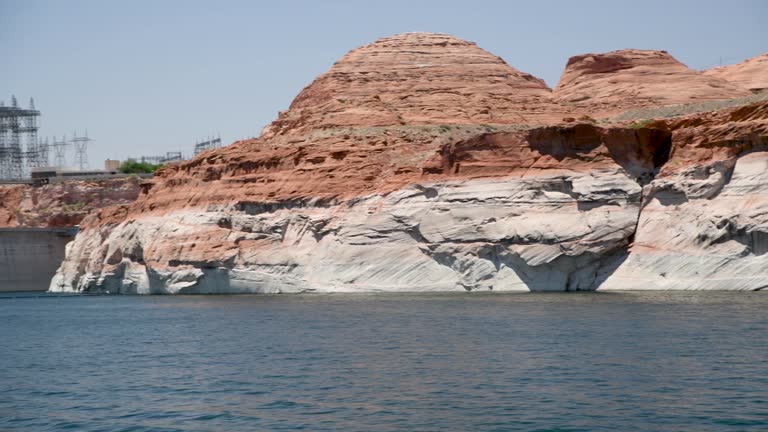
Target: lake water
<point x="432" y="362"/>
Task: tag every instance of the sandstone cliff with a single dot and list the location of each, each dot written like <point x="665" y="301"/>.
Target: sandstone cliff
<point x="751" y="74"/>
<point x="422" y="162"/>
<point x="610" y="83"/>
<point x="704" y="221"/>
<point x="419" y="79"/>
<point x="62" y="204"/>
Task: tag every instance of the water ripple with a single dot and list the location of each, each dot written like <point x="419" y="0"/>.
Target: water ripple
<point x="431" y="362"/>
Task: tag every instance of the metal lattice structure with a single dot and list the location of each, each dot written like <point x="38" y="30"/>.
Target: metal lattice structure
<point x="36" y="155"/>
<point x="210" y="143"/>
<point x="18" y="140"/>
<point x="59" y="151"/>
<point x="172" y="157"/>
<point x="168" y="157"/>
<point x="81" y="150"/>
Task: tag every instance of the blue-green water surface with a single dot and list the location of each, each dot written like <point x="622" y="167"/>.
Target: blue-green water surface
<point x="414" y="362"/>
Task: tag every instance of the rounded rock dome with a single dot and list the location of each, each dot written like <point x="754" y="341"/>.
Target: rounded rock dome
<point x="419" y="79"/>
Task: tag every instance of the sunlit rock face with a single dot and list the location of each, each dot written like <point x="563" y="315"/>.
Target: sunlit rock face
<point x="545" y="209"/>
<point x="751" y="74"/>
<point x="541" y="232"/>
<point x="419" y="79"/>
<point x="704" y="221"/>
<point x="421" y="162"/>
<point x="613" y="82"/>
<point x="62" y="204"/>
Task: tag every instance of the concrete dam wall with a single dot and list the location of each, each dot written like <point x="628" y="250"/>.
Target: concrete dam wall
<point x="29" y="257"/>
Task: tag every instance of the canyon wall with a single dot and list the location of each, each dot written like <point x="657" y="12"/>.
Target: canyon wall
<point x="704" y="220"/>
<point x="422" y="162"/>
<point x="540" y="209"/>
<point x="62" y="204"/>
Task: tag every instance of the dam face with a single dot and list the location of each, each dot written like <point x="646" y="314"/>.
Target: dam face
<point x="29" y="257"/>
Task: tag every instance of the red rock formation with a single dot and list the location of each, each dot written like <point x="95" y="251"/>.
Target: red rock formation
<point x="10" y="200"/>
<point x="367" y="124"/>
<point x="337" y="165"/>
<point x="417" y="158"/>
<point x="374" y="120"/>
<point x="704" y="222"/>
<point x="751" y="74"/>
<point x="419" y="79"/>
<point x="580" y="147"/>
<point x="610" y="83"/>
<point x="61" y="204"/>
<point x="337" y="168"/>
<point x="526" y="199"/>
<point x="705" y="138"/>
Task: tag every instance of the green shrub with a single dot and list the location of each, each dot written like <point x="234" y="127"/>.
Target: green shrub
<point x="133" y="167"/>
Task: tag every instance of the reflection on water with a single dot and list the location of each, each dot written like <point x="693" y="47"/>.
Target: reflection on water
<point x="628" y="361"/>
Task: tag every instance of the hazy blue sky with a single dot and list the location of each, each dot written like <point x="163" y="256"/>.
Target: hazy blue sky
<point x="145" y="77"/>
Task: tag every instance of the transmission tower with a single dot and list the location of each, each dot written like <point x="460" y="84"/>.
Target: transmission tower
<point x="37" y="153"/>
<point x="210" y="143"/>
<point x="45" y="148"/>
<point x="33" y="146"/>
<point x="81" y="150"/>
<point x="59" y="151"/>
<point x="16" y="169"/>
<point x="17" y="123"/>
